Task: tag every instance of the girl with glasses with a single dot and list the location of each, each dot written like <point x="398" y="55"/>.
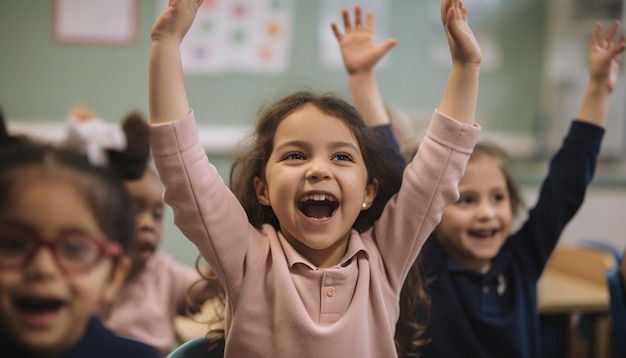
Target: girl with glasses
<point x="65" y="228"/>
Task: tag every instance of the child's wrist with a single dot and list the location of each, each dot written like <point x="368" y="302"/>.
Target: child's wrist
<point x="466" y="69"/>
<point x="596" y="86"/>
<point x="361" y="76"/>
<point x="165" y="38"/>
<point x="465" y="66"/>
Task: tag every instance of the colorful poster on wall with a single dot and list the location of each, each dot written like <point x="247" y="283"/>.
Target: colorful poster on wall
<point x="238" y="35"/>
<point x="331" y="12"/>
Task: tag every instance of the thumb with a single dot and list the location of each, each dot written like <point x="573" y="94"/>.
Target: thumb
<point x="384" y="47"/>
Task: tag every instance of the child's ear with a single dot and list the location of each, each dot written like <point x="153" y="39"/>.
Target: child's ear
<point x="370" y="194"/>
<point x="261" y="191"/>
<point x="116" y="280"/>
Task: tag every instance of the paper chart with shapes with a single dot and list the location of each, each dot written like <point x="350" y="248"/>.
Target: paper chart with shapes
<point x="238" y="35"/>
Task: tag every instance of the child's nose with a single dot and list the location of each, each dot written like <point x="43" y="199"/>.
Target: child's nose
<point x="318" y="170"/>
<point x="145" y="220"/>
<point x="43" y="263"/>
<point x="485" y="210"/>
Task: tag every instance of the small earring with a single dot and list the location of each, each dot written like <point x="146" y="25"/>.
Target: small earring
<point x="364" y="205"/>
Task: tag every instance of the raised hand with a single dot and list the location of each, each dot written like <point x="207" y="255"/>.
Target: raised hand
<point x="176" y="20"/>
<point x="605" y="54"/>
<point x="358" y="50"/>
<point x="464" y="48"/>
<point x="166" y="84"/>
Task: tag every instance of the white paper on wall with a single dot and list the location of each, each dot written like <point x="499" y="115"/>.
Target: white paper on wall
<point x="244" y="35"/>
<point x="110" y="22"/>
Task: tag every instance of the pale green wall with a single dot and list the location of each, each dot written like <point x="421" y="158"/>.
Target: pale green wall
<point x="41" y="80"/>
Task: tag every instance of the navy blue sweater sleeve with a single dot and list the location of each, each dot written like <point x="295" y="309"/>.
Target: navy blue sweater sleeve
<point x="392" y="148"/>
<point x="561" y="195"/>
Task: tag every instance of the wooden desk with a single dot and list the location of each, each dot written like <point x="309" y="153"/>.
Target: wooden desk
<point x="572" y="283"/>
<point x="559" y="292"/>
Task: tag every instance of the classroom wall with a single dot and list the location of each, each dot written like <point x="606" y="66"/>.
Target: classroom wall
<point x="41" y="79"/>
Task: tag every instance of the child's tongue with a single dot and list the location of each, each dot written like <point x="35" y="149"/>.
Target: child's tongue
<point x="317" y="210"/>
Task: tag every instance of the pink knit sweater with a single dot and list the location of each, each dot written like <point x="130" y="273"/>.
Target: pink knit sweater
<point x="279" y="304"/>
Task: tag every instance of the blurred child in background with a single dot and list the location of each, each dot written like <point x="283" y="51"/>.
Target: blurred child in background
<point x="66" y="230"/>
<point x="157" y="288"/>
<point x="484" y="279"/>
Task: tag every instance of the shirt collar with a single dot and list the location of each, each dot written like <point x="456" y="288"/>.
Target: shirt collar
<point x="355" y="245"/>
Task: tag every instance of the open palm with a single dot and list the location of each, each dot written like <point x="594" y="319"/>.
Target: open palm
<point x="605" y="54"/>
<point x="358" y="50"/>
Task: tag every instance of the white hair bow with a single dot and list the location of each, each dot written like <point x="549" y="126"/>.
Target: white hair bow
<point x="93" y="137"/>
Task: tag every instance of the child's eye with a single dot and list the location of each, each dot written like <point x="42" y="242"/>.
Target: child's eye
<point x="498" y="197"/>
<point x="13" y="244"/>
<point x="157" y="214"/>
<point x="465" y="200"/>
<point x="293" y="156"/>
<point x="137" y="206"/>
<point x="343" y="157"/>
<point x="75" y="248"/>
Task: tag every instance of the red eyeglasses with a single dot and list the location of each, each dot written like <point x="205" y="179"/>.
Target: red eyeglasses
<point x="75" y="251"/>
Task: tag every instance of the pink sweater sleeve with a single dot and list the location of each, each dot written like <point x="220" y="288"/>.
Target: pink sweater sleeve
<point x="205" y="210"/>
<point x="429" y="184"/>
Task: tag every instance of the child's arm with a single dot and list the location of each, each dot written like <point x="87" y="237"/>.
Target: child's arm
<point x="192" y="184"/>
<point x="360" y="55"/>
<point x="167" y="95"/>
<point x="573" y="166"/>
<point x="604" y="58"/>
<point x="460" y="95"/>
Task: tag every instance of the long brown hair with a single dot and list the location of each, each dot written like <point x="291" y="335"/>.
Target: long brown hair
<point x="216" y="295"/>
<point x="251" y="162"/>
<point x="414" y="300"/>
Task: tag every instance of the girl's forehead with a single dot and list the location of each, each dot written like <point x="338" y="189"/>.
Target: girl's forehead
<point x="483" y="170"/>
<point x="310" y="122"/>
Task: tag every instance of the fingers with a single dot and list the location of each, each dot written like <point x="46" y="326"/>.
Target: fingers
<point x="609" y="35"/>
<point x="458" y="5"/>
<point x="608" y="40"/>
<point x="346" y="20"/>
<point x="369" y="24"/>
<point x="619" y="48"/>
<point x="338" y="34"/>
<point x="358" y="22"/>
<point x="595" y="37"/>
<point x="450" y="19"/>
<point x="357" y="16"/>
<point x="463" y="11"/>
<point x="445" y="6"/>
<point x="460" y="12"/>
<point x="621" y="45"/>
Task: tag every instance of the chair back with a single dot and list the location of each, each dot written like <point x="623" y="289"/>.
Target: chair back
<point x="197" y="348"/>
<point x="618" y="311"/>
